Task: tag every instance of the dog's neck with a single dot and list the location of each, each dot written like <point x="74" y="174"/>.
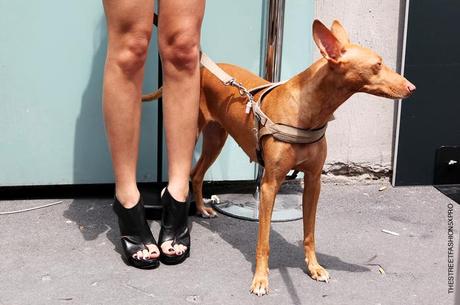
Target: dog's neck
<point x="317" y="92"/>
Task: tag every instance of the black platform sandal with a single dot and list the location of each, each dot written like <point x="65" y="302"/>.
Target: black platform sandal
<point x="174" y="226"/>
<point x="135" y="234"/>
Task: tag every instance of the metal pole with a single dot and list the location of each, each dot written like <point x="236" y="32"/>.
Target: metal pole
<point x="273" y="54"/>
<point x="272" y="73"/>
<point x="272" y="66"/>
<point x="274" y="40"/>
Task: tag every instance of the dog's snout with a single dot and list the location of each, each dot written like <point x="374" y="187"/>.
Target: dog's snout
<point x="411" y="87"/>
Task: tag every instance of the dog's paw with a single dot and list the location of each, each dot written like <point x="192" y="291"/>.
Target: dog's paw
<point x="259" y="285"/>
<point x="206" y="212"/>
<point x="318" y="273"/>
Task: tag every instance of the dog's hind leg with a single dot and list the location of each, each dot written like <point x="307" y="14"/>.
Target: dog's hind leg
<point x="214" y="137"/>
<point x="312" y="186"/>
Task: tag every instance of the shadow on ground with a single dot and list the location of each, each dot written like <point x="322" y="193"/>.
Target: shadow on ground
<point x="95" y="217"/>
<point x="242" y="235"/>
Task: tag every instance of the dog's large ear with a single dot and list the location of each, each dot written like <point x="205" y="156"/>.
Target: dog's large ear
<point x="329" y="46"/>
<point x="340" y="33"/>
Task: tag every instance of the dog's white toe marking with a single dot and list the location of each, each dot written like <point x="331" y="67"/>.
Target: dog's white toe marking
<point x="319" y="274"/>
<point x="207" y="212"/>
<point x="259" y="287"/>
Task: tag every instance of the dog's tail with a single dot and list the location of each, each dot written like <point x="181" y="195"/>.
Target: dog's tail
<point x="152" y="96"/>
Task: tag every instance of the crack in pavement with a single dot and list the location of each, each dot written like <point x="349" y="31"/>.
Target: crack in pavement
<point x="140" y="290"/>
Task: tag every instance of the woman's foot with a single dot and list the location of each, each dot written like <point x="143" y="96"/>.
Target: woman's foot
<point x="174" y="234"/>
<point x="139" y="245"/>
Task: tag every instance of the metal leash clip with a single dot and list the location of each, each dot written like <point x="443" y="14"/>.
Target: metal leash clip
<point x="243" y="92"/>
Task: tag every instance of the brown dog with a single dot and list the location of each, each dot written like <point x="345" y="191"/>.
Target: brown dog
<point x="308" y="100"/>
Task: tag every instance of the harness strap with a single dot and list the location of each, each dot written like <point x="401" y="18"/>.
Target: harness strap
<point x="259" y="115"/>
<point x="292" y="134"/>
<point x="254" y="90"/>
<point x="279" y="131"/>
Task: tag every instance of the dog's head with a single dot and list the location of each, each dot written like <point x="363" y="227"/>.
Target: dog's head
<point x="361" y="68"/>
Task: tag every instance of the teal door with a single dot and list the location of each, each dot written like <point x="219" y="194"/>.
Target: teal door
<point x="51" y="64"/>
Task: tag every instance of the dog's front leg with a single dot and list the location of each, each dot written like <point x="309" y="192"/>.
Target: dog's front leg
<point x="312" y="186"/>
<point x="270" y="185"/>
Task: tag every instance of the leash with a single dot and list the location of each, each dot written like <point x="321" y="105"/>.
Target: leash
<point x="227" y="80"/>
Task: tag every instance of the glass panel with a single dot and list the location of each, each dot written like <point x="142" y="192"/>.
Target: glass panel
<point x="51" y="68"/>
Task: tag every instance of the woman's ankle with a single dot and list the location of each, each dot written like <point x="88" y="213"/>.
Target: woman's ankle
<point x="179" y="191"/>
<point x="127" y="197"/>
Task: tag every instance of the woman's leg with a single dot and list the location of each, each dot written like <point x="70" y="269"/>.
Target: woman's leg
<point x="129" y="24"/>
<point x="179" y="43"/>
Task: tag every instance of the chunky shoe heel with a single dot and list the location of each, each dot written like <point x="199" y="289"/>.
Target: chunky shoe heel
<point x="135" y="233"/>
<point x="174" y="227"/>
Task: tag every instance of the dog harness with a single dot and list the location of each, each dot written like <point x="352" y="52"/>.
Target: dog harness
<point x="263" y="126"/>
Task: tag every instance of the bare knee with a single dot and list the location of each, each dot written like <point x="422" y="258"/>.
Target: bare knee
<point x="131" y="50"/>
<point x="180" y="51"/>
